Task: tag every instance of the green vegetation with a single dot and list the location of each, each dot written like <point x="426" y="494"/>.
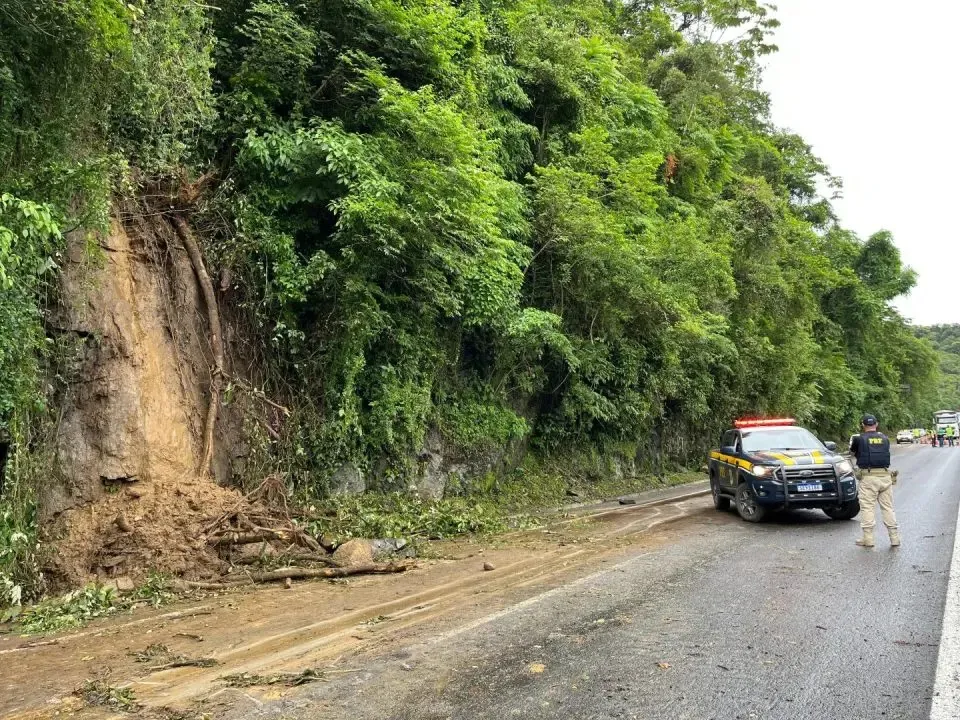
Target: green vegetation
<point x="397" y="515"/>
<point x="559" y="226"/>
<point x="491" y="504"/>
<point x="69" y="611"/>
<point x="945" y="395"/>
<point x="78" y="608"/>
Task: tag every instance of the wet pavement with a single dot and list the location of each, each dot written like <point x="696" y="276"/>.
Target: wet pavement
<point x="787" y="619"/>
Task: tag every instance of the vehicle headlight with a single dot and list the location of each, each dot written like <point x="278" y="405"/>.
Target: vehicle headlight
<point x="763" y="471"/>
<point x="844" y="467"/>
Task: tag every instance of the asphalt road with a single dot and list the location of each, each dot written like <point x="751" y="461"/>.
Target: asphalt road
<point x="782" y="620"/>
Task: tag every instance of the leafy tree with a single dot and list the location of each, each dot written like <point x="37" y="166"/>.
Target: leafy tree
<point x="570" y="225"/>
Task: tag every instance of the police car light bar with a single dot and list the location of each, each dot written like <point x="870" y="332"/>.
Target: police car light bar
<point x="763" y="422"/>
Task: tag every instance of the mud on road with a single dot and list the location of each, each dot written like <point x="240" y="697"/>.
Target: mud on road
<point x="321" y="626"/>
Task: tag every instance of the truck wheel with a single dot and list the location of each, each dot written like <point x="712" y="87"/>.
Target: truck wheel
<point x="720" y="501"/>
<point x="747" y="506"/>
<point x="847" y="511"/>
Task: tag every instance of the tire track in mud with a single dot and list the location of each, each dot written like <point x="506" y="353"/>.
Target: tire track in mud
<point x="330" y="639"/>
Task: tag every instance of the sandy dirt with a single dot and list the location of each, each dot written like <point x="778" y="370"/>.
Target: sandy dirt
<point x="128" y="494"/>
<point x="317" y="625"/>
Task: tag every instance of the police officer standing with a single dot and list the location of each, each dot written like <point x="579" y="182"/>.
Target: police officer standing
<point x="871" y="448"/>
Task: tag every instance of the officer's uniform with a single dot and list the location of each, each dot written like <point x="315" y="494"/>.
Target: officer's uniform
<point x="872" y="451"/>
<point x="950" y="435"/>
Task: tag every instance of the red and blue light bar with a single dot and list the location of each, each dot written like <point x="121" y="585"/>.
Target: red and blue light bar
<point x="763" y="422"/>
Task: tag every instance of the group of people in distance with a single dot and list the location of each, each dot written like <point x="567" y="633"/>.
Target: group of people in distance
<point x="943" y="436"/>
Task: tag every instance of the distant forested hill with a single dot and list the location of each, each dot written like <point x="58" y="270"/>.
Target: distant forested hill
<point x="946" y="340"/>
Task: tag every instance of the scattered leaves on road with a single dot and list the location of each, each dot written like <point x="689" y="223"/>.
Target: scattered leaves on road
<point x="536" y="668"/>
<point x="162" y="658"/>
<point x="242" y="680"/>
<point x="664" y="665"/>
<point x="97" y="692"/>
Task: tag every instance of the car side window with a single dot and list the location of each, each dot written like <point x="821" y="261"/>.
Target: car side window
<point x="738" y="443"/>
<point x="729" y="438"/>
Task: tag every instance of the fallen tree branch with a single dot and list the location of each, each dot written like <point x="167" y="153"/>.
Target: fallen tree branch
<point x="246" y="538"/>
<point x="284" y="557"/>
<point x="184" y="662"/>
<point x="297" y="573"/>
<point x="216" y="337"/>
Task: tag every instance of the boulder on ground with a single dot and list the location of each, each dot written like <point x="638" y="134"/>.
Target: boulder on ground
<point x="354" y="552"/>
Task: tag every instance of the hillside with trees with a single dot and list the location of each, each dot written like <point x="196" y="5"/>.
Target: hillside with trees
<point x="945" y="394"/>
<point x="444" y="238"/>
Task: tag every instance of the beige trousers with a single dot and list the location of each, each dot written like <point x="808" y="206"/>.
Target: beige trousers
<point x="877" y="486"/>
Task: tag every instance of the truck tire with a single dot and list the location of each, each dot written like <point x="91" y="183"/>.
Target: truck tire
<point x="747" y="506"/>
<point x="847" y="511"/>
<point x="720" y="501"/>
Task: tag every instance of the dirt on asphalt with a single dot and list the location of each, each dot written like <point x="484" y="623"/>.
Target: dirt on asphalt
<point x="266" y="636"/>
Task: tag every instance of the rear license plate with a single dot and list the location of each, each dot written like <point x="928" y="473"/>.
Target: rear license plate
<point x="810" y="487"/>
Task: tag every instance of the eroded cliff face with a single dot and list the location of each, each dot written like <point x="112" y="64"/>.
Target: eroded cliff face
<point x="129" y="437"/>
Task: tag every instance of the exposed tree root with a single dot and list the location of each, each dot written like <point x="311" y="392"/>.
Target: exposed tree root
<point x="216" y="338"/>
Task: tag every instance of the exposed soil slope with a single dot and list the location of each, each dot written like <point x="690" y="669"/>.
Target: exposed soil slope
<point x="129" y="496"/>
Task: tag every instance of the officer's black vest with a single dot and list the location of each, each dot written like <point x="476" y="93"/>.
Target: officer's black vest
<point x="873" y="450"/>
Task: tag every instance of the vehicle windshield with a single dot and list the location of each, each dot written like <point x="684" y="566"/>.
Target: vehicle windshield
<point x="788" y="438"/>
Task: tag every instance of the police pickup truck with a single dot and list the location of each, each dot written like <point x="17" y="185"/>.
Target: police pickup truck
<point x="772" y="464"/>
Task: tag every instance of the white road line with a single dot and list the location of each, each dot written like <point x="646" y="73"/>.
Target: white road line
<point x="946" y="688"/>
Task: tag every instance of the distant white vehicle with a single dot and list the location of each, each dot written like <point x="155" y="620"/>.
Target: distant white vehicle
<point x="905" y="436"/>
<point x="946" y="419"/>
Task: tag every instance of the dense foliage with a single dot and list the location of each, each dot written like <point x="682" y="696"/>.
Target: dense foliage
<point x="945" y="395"/>
<point x="566" y="222"/>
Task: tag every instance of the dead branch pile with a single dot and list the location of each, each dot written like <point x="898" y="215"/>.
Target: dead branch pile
<point x="262" y="519"/>
<point x="259" y="530"/>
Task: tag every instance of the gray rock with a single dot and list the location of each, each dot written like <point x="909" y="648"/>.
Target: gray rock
<point x="392" y="547"/>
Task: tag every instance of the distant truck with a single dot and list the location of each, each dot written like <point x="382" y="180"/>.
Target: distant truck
<point x="945" y="419"/>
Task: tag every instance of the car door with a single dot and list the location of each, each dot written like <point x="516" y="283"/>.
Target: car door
<point x="728" y="471"/>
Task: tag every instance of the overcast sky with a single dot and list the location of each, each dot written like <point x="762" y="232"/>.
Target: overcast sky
<point x="873" y="86"/>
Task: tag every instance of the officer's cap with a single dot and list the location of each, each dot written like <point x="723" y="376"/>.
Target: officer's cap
<point x="868" y="421"/>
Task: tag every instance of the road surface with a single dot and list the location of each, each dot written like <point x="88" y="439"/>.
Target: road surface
<point x="782" y="620"/>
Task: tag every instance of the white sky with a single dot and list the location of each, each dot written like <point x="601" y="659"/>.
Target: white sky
<point x="873" y="86"/>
